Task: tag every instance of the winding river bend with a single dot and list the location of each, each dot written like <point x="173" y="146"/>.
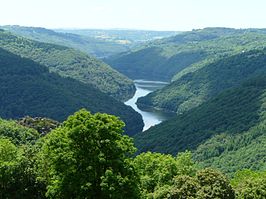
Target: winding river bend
<point x="150" y="116"/>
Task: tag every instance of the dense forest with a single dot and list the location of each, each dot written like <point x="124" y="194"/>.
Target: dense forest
<point x="229" y="127"/>
<point x="88" y="44"/>
<point x="192" y="89"/>
<point x="28" y="88"/>
<point x="88" y="157"/>
<point x="96" y="42"/>
<point x="69" y="62"/>
<point x="163" y="59"/>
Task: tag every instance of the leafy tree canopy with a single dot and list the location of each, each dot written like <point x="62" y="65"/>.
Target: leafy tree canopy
<point x="88" y="157"/>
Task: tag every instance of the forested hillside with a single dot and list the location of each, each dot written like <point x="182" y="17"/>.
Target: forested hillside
<point x="237" y="113"/>
<point x="69" y="62"/>
<point x="163" y="59"/>
<point x="88" y="44"/>
<point x="28" y="88"/>
<point x="192" y="89"/>
<point x="232" y="152"/>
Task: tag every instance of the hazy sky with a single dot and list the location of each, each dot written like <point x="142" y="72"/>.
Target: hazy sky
<point x="136" y="14"/>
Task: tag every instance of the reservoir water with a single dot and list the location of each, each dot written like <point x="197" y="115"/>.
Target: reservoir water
<point x="150" y="116"/>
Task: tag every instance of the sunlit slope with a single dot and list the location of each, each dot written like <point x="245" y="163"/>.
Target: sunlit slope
<point x="192" y="89"/>
<point x="232" y="111"/>
<point x="69" y="62"/>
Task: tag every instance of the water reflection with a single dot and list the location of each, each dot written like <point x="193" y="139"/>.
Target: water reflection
<point x="150" y="116"/>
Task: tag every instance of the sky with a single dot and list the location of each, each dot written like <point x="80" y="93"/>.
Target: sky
<point x="178" y="15"/>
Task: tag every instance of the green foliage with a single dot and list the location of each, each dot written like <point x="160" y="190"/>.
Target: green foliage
<point x="17" y="173"/>
<point x="249" y="184"/>
<point x="192" y="89"/>
<point x="42" y="125"/>
<point x="28" y="88"/>
<point x="184" y="187"/>
<point x="163" y="59"/>
<point x="8" y="150"/>
<point x="157" y="171"/>
<point x="230" y="153"/>
<point x="71" y="63"/>
<point x="150" y="63"/>
<point x="213" y="184"/>
<point x="232" y="111"/>
<point x="87" y="157"/>
<point x="163" y="176"/>
<point x="88" y="44"/>
<point x="17" y="162"/>
<point x="18" y="134"/>
<point x="207" y="184"/>
<point x="100" y="43"/>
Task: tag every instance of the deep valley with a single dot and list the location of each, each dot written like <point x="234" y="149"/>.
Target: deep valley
<point x="90" y="113"/>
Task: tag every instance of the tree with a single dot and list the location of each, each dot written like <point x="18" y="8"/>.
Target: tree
<point x="17" y="174"/>
<point x="41" y="124"/>
<point x="18" y="134"/>
<point x="213" y="184"/>
<point x="157" y="172"/>
<point x="249" y="184"/>
<point x="184" y="187"/>
<point x="88" y="157"/>
<point x="207" y="184"/>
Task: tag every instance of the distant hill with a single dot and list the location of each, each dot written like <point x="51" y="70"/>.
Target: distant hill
<point x="97" y="42"/>
<point x="28" y="88"/>
<point x="69" y="62"/>
<point x="232" y="112"/>
<point x="192" y="89"/>
<point x="88" y="44"/>
<point x="122" y="36"/>
<point x="163" y="59"/>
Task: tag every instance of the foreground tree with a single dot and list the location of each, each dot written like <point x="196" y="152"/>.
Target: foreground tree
<point x="17" y="174"/>
<point x="213" y="184"/>
<point x="249" y="184"/>
<point x="157" y="172"/>
<point x="207" y="184"/>
<point x="41" y="124"/>
<point x="88" y="157"/>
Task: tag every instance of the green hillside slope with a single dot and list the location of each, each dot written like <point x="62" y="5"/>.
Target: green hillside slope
<point x="192" y="89"/>
<point x="28" y="88"/>
<point x="91" y="45"/>
<point x="230" y="153"/>
<point x="232" y="111"/>
<point x="162" y="59"/>
<point x="68" y="62"/>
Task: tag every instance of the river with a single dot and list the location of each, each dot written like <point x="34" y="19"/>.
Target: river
<point x="150" y="116"/>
